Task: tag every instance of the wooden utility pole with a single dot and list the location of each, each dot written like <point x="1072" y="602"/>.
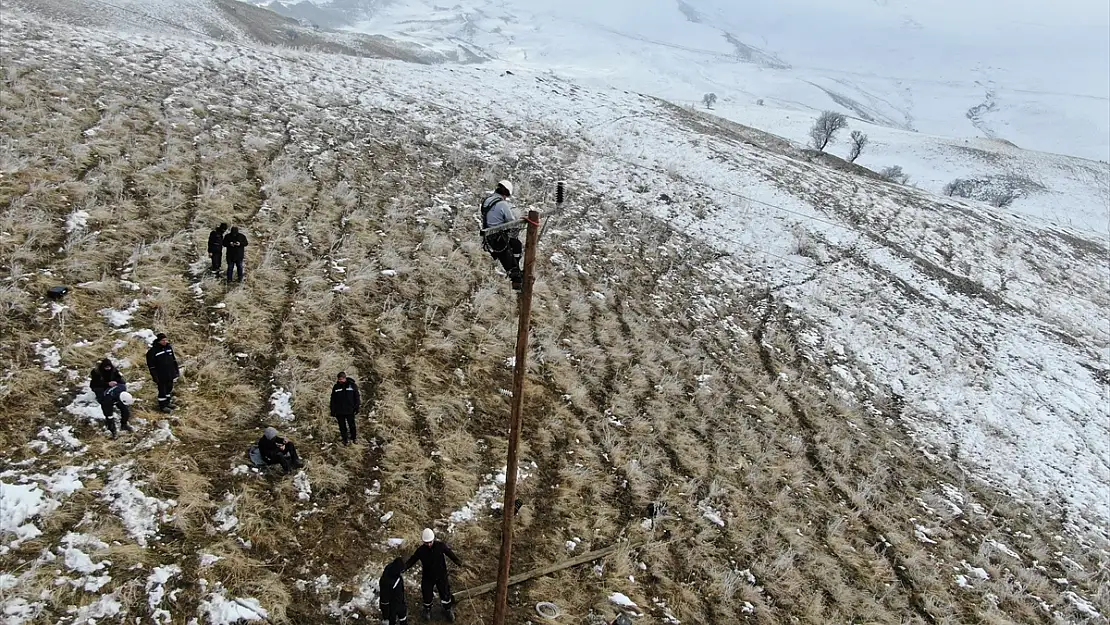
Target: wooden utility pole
<point x="508" y="509"/>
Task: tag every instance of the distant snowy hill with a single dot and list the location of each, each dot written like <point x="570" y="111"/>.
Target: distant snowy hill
<point x="945" y="91"/>
<point x="1035" y="75"/>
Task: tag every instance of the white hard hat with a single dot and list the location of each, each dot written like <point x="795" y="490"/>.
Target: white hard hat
<point x="508" y="186"/>
<point x="126" y="398"/>
<point x="428" y="535"/>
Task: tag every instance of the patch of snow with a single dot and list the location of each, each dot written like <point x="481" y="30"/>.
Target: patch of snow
<point x="282" y="402"/>
<point x="207" y="559"/>
<point x="146" y="335"/>
<point x="1081" y="604"/>
<point x="225" y="519"/>
<point x="77" y="220"/>
<point x="77" y="560"/>
<point x="393" y="543"/>
<point x="51" y="357"/>
<point x="119" y="318"/>
<point x="19" y="611"/>
<point x="488" y="496"/>
<point x="85" y="407"/>
<point x="18" y="504"/>
<point x="156" y="591"/>
<point x="708" y="512"/>
<point x="622" y="600"/>
<point x="63" y="437"/>
<point x="64" y="481"/>
<point x="389" y="273"/>
<point x="922" y="534"/>
<point x="223" y="611"/>
<point x="341" y="288"/>
<point x="105" y="606"/>
<point x="304" y="487"/>
<point x="140" y="513"/>
<point x="1004" y="549"/>
<point x="160" y="434"/>
<point x="386" y="517"/>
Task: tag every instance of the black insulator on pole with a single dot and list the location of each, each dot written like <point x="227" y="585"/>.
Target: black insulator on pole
<point x="560" y="192"/>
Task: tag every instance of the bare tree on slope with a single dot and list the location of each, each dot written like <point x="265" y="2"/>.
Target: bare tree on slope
<point x="859" y="141"/>
<point x="825" y="128"/>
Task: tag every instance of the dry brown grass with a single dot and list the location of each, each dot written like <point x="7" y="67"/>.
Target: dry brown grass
<point x="818" y="498"/>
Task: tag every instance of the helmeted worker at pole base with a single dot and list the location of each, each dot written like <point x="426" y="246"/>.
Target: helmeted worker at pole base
<point x="163" y="368"/>
<point x="504" y="245"/>
<point x="391" y="596"/>
<point x="432" y="556"/>
<point x="345" y="402"/>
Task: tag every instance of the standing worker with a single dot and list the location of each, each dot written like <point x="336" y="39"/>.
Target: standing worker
<point x="504" y="245"/>
<point x="345" y="403"/>
<point x="162" y="364"/>
<point x="236" y="244"/>
<point x="216" y="247"/>
<point x="432" y="556"/>
<point x="391" y="596"/>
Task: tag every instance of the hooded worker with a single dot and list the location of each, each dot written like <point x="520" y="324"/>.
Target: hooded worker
<point x="216" y="247"/>
<point x="432" y="556"/>
<point x="391" y="596"/>
<point x="279" y="450"/>
<point x="103" y="377"/>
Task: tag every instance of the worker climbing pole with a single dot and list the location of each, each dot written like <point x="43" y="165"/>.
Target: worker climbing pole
<point x="508" y="509"/>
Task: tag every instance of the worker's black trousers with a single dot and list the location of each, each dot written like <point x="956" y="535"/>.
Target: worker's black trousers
<point x="440" y="585"/>
<point x="506" y="249"/>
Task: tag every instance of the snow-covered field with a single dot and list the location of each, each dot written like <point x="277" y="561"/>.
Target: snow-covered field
<point x="921" y="66"/>
<point x="982" y="332"/>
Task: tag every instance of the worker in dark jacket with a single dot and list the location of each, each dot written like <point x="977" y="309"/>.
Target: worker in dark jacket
<point x="432" y="556"/>
<point x="216" y="247"/>
<point x="103" y="377"/>
<point x="391" y="595"/>
<point x="116" y="397"/>
<point x="278" y="450"/>
<point x="162" y="364"/>
<point x="236" y="244"/>
<point x="345" y="403"/>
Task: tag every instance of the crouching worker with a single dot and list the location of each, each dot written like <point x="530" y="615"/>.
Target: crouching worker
<point x="111" y="393"/>
<point x="391" y="599"/>
<point x="278" y="450"/>
<point x="432" y="556"/>
<point x="116" y="397"/>
<point x="505" y="246"/>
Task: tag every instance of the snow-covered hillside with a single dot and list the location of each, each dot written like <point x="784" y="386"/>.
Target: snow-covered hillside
<point x="1036" y="74"/>
<point x="940" y="86"/>
<point x="830" y="381"/>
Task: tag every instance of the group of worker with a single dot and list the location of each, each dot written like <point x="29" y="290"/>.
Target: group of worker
<point x="110" y="390"/>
